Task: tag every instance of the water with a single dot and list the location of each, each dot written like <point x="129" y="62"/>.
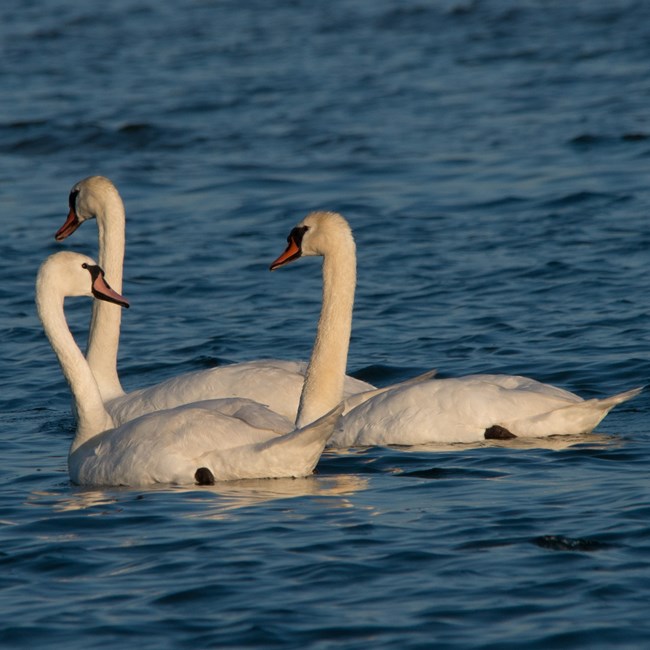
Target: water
<point x="493" y="159"/>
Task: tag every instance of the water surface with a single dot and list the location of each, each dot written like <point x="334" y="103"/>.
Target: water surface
<point x="492" y="159"/>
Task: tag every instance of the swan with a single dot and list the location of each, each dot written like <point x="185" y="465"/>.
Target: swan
<point x="196" y="443"/>
<point x="274" y="382"/>
<point x="464" y="409"/>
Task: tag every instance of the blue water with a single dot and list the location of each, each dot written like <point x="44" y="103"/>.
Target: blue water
<point x="493" y="159"/>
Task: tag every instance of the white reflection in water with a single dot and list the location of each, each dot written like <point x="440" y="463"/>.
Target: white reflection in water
<point x="228" y="495"/>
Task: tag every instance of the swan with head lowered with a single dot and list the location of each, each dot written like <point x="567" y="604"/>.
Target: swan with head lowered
<point x="201" y="443"/>
<point x="464" y="409"/>
<point x="274" y="382"/>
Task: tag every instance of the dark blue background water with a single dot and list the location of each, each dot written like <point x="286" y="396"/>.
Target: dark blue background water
<point x="494" y="160"/>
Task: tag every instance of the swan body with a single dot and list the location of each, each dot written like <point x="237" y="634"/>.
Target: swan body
<point x="171" y="446"/>
<point x="275" y="383"/>
<point x="202" y="442"/>
<point x="464" y="409"/>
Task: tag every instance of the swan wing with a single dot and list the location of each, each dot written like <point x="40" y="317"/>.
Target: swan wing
<point x="294" y="454"/>
<point x="353" y="401"/>
<point x="273" y="383"/>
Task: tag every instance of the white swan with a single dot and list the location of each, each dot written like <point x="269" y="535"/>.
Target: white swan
<point x="274" y="382"/>
<point x="465" y="409"/>
<point x="197" y="443"/>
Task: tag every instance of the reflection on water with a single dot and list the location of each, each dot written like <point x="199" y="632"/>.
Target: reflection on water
<point x="228" y="495"/>
<point x="242" y="494"/>
<point x="556" y="443"/>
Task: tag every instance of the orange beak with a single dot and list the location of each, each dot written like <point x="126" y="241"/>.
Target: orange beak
<point x="292" y="252"/>
<point x="70" y="225"/>
<point x="102" y="290"/>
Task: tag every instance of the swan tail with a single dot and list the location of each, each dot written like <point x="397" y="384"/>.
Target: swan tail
<point x="610" y="402"/>
<point x="291" y="455"/>
<point x="581" y="417"/>
<point x="359" y="398"/>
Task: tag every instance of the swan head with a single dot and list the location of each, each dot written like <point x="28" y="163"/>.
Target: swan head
<point x="74" y="274"/>
<point x="86" y="200"/>
<point x="319" y="233"/>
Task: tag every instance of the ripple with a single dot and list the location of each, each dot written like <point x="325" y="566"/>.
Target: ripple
<point x="592" y="140"/>
<point x="561" y="543"/>
<point x="442" y="473"/>
<point x="48" y="138"/>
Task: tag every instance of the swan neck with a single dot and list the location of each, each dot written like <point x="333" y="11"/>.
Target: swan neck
<point x="324" y="380"/>
<point x="104" y="336"/>
<point x="92" y="417"/>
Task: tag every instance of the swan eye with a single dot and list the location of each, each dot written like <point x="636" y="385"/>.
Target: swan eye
<point x="94" y="269"/>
